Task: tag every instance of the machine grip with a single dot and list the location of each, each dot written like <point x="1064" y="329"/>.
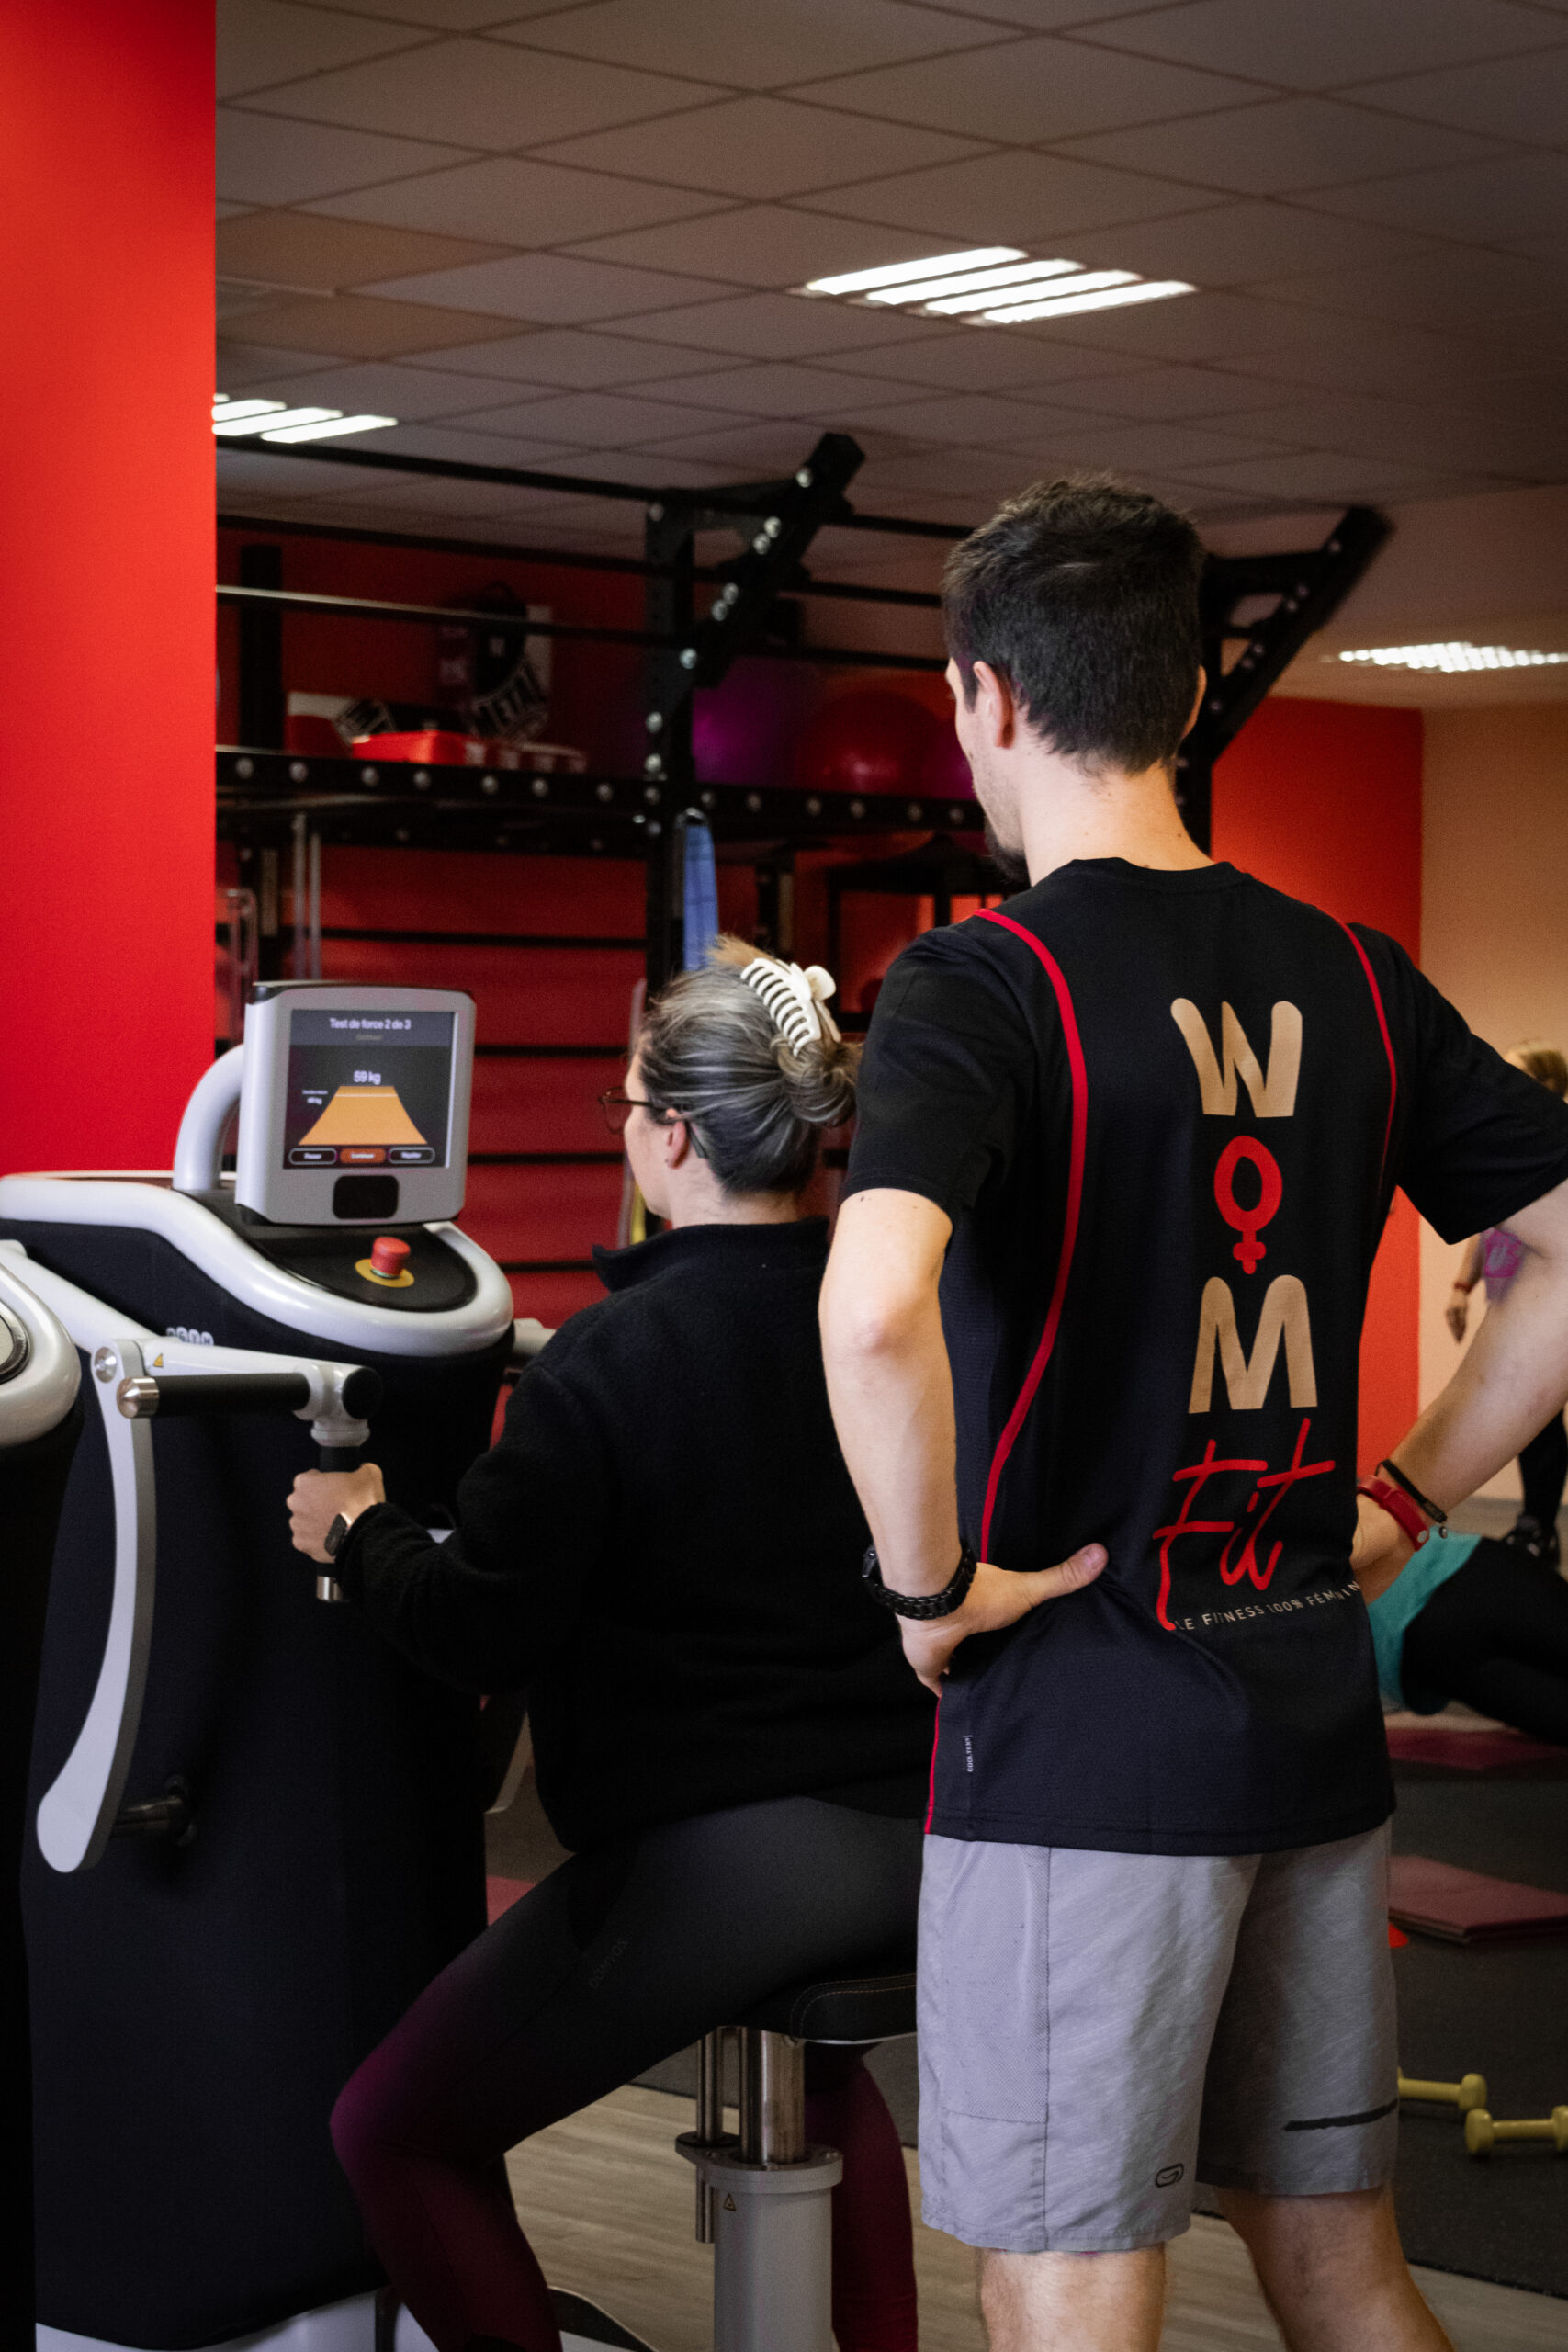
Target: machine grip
<point x="212" y="1392"/>
<point x="334" y="1457"/>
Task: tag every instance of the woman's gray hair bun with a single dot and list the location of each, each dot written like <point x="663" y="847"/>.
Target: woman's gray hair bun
<point x="746" y="1052"/>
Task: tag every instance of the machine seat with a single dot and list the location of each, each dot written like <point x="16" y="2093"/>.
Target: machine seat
<point x="841" y="2008"/>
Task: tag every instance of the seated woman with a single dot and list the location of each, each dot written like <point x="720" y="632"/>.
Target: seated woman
<point x="664" y="1547"/>
<point x="1473" y="1618"/>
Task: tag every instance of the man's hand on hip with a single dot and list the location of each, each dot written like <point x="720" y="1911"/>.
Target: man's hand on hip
<point x="998" y="1598"/>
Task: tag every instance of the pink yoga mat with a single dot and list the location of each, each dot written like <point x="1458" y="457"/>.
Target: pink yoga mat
<point x="1464" y="1908"/>
<point x="1469" y="1751"/>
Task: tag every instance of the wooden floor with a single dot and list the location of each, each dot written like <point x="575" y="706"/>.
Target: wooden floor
<point x="608" y="2205"/>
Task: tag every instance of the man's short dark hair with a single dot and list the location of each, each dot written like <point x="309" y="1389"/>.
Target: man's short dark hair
<point x="1082" y="594"/>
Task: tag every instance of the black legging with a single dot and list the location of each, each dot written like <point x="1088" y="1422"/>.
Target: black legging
<point x="1543" y="1467"/>
<point x="617" y="1959"/>
<point x="1496" y="1635"/>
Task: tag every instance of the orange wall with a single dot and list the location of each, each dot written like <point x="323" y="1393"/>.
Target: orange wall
<point x="1324" y="799"/>
<point x="106" y="592"/>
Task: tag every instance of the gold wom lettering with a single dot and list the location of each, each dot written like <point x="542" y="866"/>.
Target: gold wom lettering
<point x="1247" y="1378"/>
<point x="1274" y="1094"/>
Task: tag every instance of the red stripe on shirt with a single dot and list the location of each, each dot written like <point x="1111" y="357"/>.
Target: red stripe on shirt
<point x="1070" y="1222"/>
<point x="1387" y="1042"/>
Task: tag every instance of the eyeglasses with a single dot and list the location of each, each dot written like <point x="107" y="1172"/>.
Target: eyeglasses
<point x="617" y="1105"/>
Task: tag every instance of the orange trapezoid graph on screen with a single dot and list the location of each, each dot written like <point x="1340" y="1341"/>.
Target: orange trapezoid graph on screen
<point x="365" y="1115"/>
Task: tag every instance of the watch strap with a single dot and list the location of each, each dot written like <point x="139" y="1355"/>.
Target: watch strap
<point x="336" y="1536"/>
<point x="1398" y="1506"/>
<point x="921" y="1605"/>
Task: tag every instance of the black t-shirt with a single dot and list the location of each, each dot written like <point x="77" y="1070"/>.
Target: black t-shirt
<point x="1167" y="1112"/>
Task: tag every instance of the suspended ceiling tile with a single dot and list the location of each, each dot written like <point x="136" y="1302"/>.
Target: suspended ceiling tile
<point x="1140" y="450"/>
<point x="1330" y="43"/>
<point x="240" y="367"/>
<point x="451" y="16"/>
<point x="1482" y="204"/>
<point x="744" y="451"/>
<point x="276" y="476"/>
<point x="1166" y="395"/>
<point x="358" y="327"/>
<point x="303" y="249"/>
<point x="776" y="326"/>
<point x="479" y="94"/>
<point x="1280" y="148"/>
<point x="1323" y="474"/>
<point x="554" y="289"/>
<point x="380" y="390"/>
<point x="1520" y="98"/>
<point x="1238" y="244"/>
<point x="263" y="41"/>
<point x="1469" y="442"/>
<point x="597" y="420"/>
<point x="1195" y="327"/>
<point x="977" y="420"/>
<point x="1036" y="202"/>
<point x="756" y="49"/>
<point x="514" y="201"/>
<point x="263" y="161"/>
<point x="991" y="359"/>
<point x="452" y="443"/>
<point x="780" y="390"/>
<point x="767" y="244"/>
<point x="761" y="147"/>
<point x="1032" y="91"/>
<point x="567" y="359"/>
<point x="1393" y="363"/>
<point x="1447" y="287"/>
<point x="229" y="212"/>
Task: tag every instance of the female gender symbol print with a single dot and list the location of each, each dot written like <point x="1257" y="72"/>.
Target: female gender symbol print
<point x="1249" y="1222"/>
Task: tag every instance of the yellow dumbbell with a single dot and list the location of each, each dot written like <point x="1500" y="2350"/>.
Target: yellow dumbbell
<point x="1482" y="2134"/>
<point x="1466" y="2094"/>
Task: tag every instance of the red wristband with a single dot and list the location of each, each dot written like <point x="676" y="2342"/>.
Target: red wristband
<point x="1387" y="1495"/>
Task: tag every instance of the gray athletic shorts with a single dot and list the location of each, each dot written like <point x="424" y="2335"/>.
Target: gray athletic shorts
<point x="1099" y="2031"/>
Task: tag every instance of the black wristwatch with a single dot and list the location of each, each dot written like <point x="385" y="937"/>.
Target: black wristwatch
<point x="336" y="1536"/>
<point x="920" y="1604"/>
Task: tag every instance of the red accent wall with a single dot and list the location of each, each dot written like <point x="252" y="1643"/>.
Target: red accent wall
<point x="105" y="591"/>
<point x="1324" y="799"/>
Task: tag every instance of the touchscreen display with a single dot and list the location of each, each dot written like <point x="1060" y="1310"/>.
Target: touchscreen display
<point x="367" y="1090"/>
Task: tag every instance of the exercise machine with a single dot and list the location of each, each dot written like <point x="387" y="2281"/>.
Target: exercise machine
<point x="254" y="1830"/>
<point x="763" y="2193"/>
<point x="41" y="1421"/>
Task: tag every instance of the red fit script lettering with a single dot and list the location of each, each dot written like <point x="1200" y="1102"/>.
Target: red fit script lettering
<point x="1197" y="1475"/>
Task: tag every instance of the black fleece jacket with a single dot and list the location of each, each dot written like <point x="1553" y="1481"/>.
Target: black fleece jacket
<point x="664" y="1547"/>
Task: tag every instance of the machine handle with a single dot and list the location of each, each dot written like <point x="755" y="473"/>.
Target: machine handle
<point x="77" y="1813"/>
<point x="213" y="1392"/>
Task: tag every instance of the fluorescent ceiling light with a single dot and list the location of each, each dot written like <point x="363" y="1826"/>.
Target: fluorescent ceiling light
<point x="226" y="411"/>
<point x="274" y="421"/>
<point x="1458" y="654"/>
<point x="1109" y="296"/>
<point x="1021" y="272"/>
<point x="232" y="427"/>
<point x="1082" y="281"/>
<point x="326" y="428"/>
<point x="903" y="273"/>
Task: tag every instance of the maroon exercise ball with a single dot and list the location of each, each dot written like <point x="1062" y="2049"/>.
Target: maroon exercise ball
<point x="867" y="740"/>
<point x="945" y="775"/>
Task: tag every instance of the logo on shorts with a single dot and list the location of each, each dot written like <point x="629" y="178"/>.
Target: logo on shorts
<point x="1170" y="2176"/>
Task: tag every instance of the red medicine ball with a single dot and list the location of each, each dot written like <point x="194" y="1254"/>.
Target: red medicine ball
<point x="866" y="741"/>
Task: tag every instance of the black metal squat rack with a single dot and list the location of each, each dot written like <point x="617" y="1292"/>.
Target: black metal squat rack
<point x="270" y="800"/>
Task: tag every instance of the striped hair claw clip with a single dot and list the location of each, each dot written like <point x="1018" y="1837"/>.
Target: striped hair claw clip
<point x="796" y="998"/>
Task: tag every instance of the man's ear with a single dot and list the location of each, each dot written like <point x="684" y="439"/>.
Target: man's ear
<point x="1197" y="701"/>
<point x="994" y="708"/>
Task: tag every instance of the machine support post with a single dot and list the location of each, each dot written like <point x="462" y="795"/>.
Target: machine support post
<point x="1308" y="588"/>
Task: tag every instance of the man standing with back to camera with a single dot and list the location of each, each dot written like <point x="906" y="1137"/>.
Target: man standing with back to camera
<point x="1126" y="1147"/>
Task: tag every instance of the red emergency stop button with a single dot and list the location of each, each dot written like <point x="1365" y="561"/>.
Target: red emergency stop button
<point x="388" y="1257"/>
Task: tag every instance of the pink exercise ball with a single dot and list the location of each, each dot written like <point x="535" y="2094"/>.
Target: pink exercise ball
<point x="867" y="740"/>
<point x="745" y="730"/>
<point x="945" y="775"/>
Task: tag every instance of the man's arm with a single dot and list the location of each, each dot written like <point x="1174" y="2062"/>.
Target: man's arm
<point x="1506" y="1389"/>
<point x="891" y="1391"/>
